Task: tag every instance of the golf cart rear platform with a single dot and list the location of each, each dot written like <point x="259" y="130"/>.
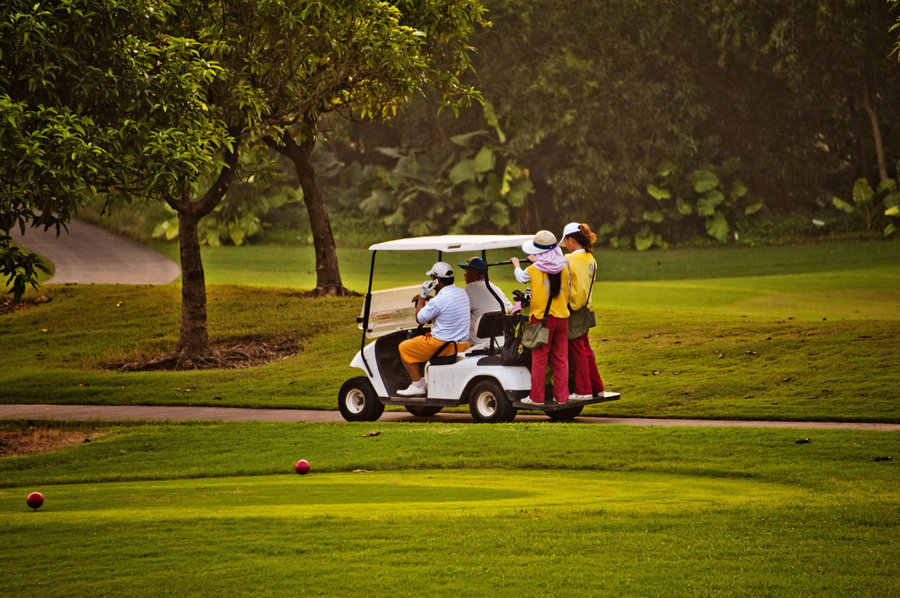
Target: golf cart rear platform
<point x="554" y="406"/>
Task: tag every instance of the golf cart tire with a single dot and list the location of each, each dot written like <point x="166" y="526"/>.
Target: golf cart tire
<point x="565" y="415"/>
<point x="358" y="402"/>
<point x="423" y="410"/>
<point x="488" y="403"/>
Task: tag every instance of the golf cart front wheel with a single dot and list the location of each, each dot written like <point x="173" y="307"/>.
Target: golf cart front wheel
<point x="488" y="403"/>
<point x="357" y="401"/>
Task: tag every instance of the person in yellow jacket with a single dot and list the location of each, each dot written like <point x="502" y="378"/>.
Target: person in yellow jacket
<point x="578" y="240"/>
<point x="549" y="278"/>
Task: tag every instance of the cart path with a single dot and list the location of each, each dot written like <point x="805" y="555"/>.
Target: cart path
<point x="175" y="413"/>
<point x="88" y="254"/>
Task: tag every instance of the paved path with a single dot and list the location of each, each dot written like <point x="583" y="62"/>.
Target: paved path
<point x="89" y="254"/>
<point x="157" y="413"/>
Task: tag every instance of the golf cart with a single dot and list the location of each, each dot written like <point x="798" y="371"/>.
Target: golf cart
<point x="492" y="377"/>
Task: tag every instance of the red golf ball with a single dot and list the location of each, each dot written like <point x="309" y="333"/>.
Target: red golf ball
<point x="302" y="466"/>
<point x="35" y="500"/>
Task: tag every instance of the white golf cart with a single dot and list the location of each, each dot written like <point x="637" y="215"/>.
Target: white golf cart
<point x="492" y="377"/>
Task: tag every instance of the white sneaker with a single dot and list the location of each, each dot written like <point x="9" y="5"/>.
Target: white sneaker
<point x="417" y="388"/>
<point x="528" y="401"/>
<point x="577" y="397"/>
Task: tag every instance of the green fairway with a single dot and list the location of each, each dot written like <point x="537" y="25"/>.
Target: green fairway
<point x="294" y="265"/>
<point x="792" y="341"/>
<point x="454" y="509"/>
<point x="845" y="281"/>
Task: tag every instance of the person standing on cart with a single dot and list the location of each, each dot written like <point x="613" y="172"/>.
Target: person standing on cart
<point x="549" y="278"/>
<point x="578" y="240"/>
<point x="448" y="311"/>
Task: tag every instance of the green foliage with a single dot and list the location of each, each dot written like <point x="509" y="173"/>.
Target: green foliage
<point x="21" y="269"/>
<point x="710" y="198"/>
<point x="874" y="207"/>
<point x="241" y="215"/>
<point x="835" y="56"/>
<point x="94" y="99"/>
<point x="476" y="185"/>
<point x="895" y="6"/>
<point x="591" y="103"/>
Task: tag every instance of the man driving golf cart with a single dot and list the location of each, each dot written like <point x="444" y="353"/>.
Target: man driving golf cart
<point x="448" y="311"/>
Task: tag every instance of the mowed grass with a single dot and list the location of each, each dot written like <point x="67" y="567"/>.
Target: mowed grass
<point x="454" y="509"/>
<point x="457" y="509"/>
<point x="791" y="342"/>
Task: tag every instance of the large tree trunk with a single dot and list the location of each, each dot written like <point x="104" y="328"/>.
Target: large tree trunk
<point x="328" y="273"/>
<point x="194" y="341"/>
<point x="868" y="104"/>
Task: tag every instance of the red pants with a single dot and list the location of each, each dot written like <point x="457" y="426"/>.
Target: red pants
<point x="558" y="352"/>
<point x="583" y="363"/>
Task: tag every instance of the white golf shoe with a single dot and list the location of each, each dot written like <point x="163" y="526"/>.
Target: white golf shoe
<point x="415" y="389"/>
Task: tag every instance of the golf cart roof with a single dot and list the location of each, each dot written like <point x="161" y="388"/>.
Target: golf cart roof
<point x="453" y="243"/>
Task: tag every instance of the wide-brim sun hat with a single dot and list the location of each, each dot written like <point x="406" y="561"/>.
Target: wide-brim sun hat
<point x="441" y="270"/>
<point x="543" y="242"/>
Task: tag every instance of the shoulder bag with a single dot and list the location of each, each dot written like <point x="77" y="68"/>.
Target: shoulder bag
<point x="582" y="320"/>
<point x="537" y="335"/>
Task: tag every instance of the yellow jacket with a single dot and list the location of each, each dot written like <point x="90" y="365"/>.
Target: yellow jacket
<point x="540" y="292"/>
<point x="583" y="268"/>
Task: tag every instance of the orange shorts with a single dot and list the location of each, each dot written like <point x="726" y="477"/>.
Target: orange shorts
<point x="420" y="348"/>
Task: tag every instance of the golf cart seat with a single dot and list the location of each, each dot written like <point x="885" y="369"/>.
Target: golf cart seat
<point x="490" y="326"/>
<point x="437" y="359"/>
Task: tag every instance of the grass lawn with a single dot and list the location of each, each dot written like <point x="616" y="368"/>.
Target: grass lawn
<point x="513" y="509"/>
<point x="771" y="334"/>
<point x="807" y="332"/>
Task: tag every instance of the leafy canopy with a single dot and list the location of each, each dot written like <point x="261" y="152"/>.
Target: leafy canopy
<point x="95" y="97"/>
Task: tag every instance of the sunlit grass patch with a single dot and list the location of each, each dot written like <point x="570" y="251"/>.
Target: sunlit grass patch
<point x="376" y="495"/>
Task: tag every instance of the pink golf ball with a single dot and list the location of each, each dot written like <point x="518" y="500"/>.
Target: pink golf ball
<point x="302" y="467"/>
<point x="35" y="500"/>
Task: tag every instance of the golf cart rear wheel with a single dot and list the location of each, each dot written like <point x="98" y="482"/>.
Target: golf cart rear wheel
<point x="423" y="410"/>
<point x="488" y="403"/>
<point x="567" y="414"/>
<point x="358" y="402"/>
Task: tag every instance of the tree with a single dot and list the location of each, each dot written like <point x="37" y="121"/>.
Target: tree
<point x="835" y="58"/>
<point x="95" y="98"/>
<point x="388" y="52"/>
<point x="595" y="97"/>
<point x="286" y="62"/>
<point x="895" y="6"/>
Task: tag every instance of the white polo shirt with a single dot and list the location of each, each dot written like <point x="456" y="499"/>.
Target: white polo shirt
<point x="450" y="311"/>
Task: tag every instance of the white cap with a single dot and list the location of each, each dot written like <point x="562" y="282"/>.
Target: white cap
<point x="543" y="242"/>
<point x="441" y="270"/>
<point x="571" y="229"/>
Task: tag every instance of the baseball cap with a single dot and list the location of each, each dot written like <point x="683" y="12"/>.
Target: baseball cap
<point x="571" y="229"/>
<point x="441" y="270"/>
<point x="475" y="263"/>
<point x="543" y="242"/>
